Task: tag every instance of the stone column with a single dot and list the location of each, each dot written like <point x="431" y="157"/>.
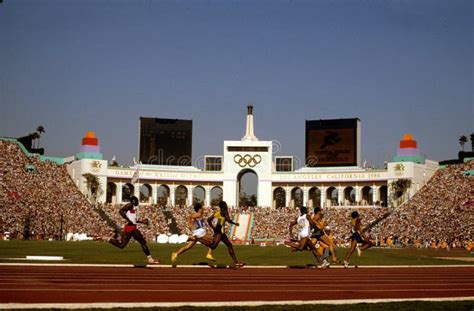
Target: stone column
<point x="288" y="197"/>
<point x="172" y="194"/>
<point x="136" y="190"/>
<point x="155" y="193"/>
<point x="374" y="193"/>
<point x="323" y="196"/>
<point x="340" y="195"/>
<point x="190" y="195"/>
<point x="207" y="201"/>
<point x="305" y="196"/>
<point x="119" y="193"/>
<point x="357" y="196"/>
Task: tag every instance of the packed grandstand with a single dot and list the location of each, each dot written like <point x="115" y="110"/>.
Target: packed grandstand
<point x="39" y="200"/>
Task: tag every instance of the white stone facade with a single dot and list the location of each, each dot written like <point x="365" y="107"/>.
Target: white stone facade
<point x="346" y="186"/>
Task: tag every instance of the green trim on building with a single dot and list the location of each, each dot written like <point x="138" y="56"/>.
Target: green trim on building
<point x="56" y="160"/>
<point x="89" y="155"/>
<point x="415" y="159"/>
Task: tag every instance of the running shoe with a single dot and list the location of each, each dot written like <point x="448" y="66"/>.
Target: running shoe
<point x="346" y="264"/>
<point x="359" y="252"/>
<point x="152" y="261"/>
<point x="325" y="264"/>
<point x="208" y="257"/>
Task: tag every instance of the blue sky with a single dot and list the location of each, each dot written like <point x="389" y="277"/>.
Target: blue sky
<point x="399" y="66"/>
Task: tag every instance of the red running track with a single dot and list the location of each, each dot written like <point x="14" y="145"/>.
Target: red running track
<point x="63" y="284"/>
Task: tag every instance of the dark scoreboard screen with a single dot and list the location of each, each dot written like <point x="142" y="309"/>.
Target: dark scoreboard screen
<point x="332" y="142"/>
<point x="166" y="141"/>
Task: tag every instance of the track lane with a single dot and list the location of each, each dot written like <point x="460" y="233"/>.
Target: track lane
<point x="33" y="284"/>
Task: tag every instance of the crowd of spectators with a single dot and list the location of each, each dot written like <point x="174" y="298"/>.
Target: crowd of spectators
<point x="273" y="225"/>
<point x="158" y="224"/>
<point x="39" y="200"/>
<point x="441" y="212"/>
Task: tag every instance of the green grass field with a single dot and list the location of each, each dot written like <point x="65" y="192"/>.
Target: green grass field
<point x="104" y="253"/>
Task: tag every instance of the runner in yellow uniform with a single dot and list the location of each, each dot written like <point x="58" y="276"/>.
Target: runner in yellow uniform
<point x="222" y="216"/>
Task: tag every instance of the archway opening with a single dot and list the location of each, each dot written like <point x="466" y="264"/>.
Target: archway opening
<point x="296" y="197"/>
<point x="181" y="196"/>
<point x="111" y="196"/>
<point x="279" y="197"/>
<point x="383" y="196"/>
<point x="199" y="195"/>
<point x="127" y="191"/>
<point x="247" y="184"/>
<point x="314" y="197"/>
<point x="332" y="195"/>
<point x="216" y="195"/>
<point x="367" y="196"/>
<point x="163" y="194"/>
<point x="146" y="193"/>
<point x="349" y="196"/>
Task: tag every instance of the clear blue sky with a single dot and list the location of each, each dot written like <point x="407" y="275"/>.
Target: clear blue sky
<point x="400" y="66"/>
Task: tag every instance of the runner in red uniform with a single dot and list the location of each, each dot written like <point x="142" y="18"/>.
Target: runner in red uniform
<point x="129" y="213"/>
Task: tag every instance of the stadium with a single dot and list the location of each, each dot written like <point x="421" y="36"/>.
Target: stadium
<point x="60" y="199"/>
<point x="236" y="155"/>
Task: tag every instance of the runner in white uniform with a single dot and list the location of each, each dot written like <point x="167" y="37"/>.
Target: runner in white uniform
<point x="304" y="223"/>
<point x="200" y="231"/>
<point x="197" y="221"/>
<point x="303" y="226"/>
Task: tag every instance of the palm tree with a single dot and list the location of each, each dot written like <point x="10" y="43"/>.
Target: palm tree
<point x="39" y="130"/>
<point x="93" y="186"/>
<point x="472" y="142"/>
<point x="462" y="141"/>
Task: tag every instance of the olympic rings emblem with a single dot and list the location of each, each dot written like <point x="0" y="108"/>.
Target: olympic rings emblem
<point x="247" y="159"/>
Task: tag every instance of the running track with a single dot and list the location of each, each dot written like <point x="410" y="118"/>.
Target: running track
<point x="68" y="284"/>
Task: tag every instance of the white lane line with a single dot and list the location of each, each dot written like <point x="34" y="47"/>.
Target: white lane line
<point x="224" y="283"/>
<point x="245" y="267"/>
<point x="238" y="290"/>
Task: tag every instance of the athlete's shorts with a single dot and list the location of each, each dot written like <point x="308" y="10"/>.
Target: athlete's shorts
<point x="317" y="234"/>
<point x="304" y="233"/>
<point x="129" y="228"/>
<point x="218" y="229"/>
<point x="199" y="233"/>
<point x="356" y="237"/>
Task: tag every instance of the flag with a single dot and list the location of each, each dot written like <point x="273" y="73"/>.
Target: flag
<point x="136" y="175"/>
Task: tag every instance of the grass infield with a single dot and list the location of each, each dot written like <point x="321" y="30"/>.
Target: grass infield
<point x="93" y="252"/>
